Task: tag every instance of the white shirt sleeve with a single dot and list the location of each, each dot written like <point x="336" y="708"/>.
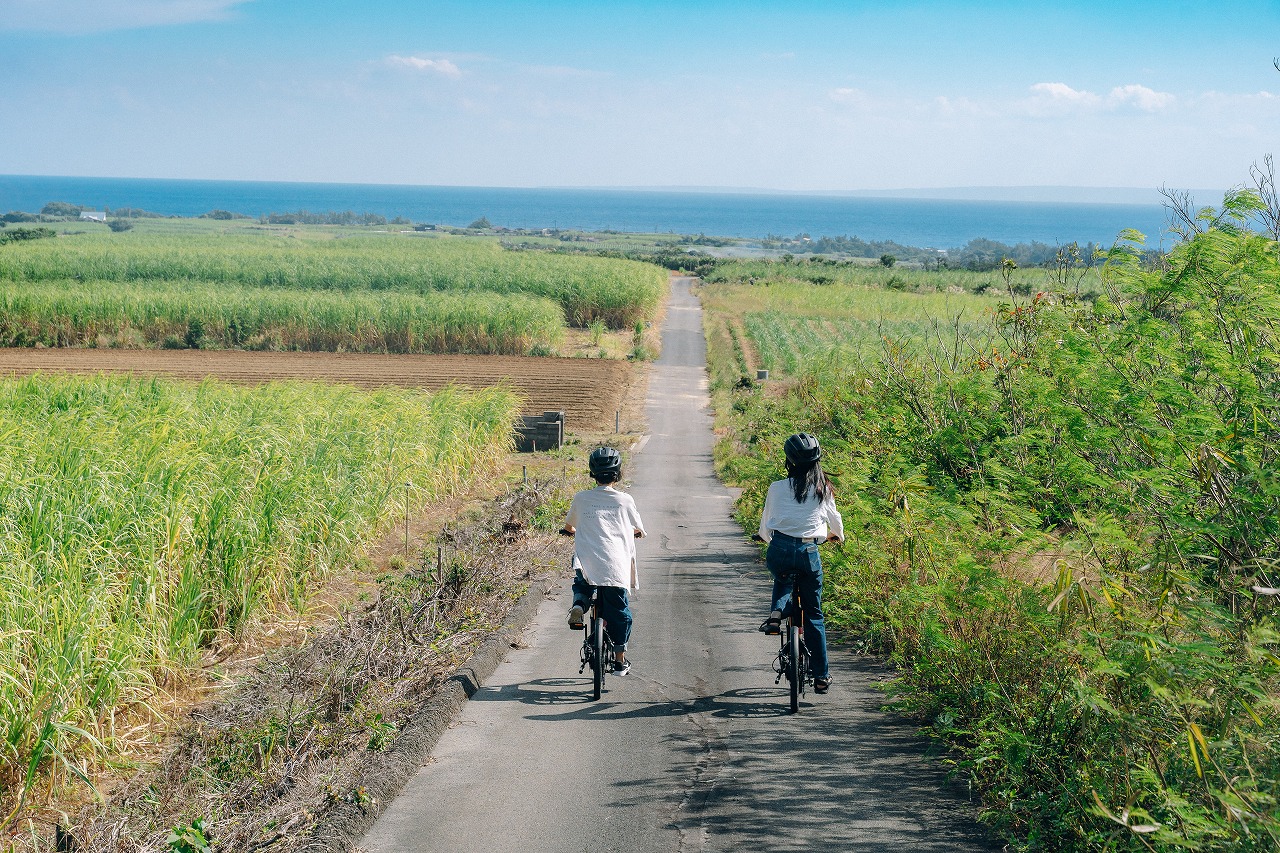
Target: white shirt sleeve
<point x="636" y="523"/>
<point x="572" y="520"/>
<point x="835" y="523"/>
<point x="765" y="533"/>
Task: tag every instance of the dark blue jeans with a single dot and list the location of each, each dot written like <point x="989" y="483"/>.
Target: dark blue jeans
<point x="797" y="568"/>
<point x="614" y="608"/>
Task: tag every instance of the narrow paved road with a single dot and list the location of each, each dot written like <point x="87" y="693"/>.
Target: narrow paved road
<point x="693" y="751"/>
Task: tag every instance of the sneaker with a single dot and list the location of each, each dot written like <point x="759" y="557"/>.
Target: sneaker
<point x="576" y="618"/>
<point x="772" y="625"/>
<point x="621" y="667"/>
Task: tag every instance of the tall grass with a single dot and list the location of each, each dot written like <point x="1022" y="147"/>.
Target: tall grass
<point x="794" y="324"/>
<point x="819" y="271"/>
<point x="140" y="519"/>
<point x="617" y="292"/>
<point x="187" y="314"/>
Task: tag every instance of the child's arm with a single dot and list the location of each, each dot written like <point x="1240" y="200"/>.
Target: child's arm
<point x="835" y="524"/>
<point x="637" y="526"/>
<point x="570" y="523"/>
<point x="764" y="533"/>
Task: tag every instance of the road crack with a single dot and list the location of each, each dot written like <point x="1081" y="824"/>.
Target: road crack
<point x="709" y="769"/>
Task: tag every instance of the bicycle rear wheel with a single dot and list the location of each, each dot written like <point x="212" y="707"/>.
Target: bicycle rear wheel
<point x="793" y="666"/>
<point x="598" y="662"/>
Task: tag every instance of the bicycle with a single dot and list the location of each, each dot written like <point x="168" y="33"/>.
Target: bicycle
<point x="597" y="646"/>
<point x="792" y="660"/>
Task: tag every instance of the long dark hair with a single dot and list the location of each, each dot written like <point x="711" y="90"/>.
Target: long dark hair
<point x="808" y="479"/>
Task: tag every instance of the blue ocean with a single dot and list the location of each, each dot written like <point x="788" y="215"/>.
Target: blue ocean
<point x="939" y="223"/>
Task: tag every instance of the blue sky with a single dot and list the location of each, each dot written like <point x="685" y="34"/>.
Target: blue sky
<point x="794" y="96"/>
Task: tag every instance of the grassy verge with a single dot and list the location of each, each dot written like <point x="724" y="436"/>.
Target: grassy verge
<point x="264" y="765"/>
<point x="143" y="519"/>
<point x="1129" y="702"/>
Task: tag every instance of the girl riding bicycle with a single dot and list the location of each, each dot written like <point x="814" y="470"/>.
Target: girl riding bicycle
<point x="799" y="513"/>
<point x="605" y="525"/>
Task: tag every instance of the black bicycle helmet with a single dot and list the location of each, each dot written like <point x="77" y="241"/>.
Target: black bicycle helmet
<point x="604" y="460"/>
<point x="802" y="449"/>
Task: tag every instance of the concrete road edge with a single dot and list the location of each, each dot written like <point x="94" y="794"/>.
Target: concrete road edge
<point x="340" y="828"/>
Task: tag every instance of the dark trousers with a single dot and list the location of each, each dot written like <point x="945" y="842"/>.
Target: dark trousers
<point x="615" y="608"/>
<point x="797" y="569"/>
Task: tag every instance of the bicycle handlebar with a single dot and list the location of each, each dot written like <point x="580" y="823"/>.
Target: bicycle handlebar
<point x="756" y="537"/>
<point x="564" y="532"/>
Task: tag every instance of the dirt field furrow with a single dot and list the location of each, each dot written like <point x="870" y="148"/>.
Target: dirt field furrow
<point x="589" y="391"/>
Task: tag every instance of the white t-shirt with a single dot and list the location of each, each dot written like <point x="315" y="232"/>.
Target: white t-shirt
<point x="807" y="519"/>
<point x="604" y="546"/>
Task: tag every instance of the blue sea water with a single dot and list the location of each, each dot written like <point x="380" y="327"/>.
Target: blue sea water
<point x="940" y="223"/>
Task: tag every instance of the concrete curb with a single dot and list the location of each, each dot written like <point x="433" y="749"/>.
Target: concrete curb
<point x="343" y="826"/>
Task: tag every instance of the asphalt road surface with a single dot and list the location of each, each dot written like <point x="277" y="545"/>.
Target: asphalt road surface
<point x="694" y="750"/>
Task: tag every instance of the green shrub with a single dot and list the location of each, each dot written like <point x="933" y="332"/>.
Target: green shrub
<point x="1125" y="699"/>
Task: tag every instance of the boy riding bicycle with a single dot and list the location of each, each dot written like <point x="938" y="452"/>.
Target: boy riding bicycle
<point x="605" y="525"/>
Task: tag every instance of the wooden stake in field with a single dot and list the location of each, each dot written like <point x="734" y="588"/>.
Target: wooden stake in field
<point x="406" y="521"/>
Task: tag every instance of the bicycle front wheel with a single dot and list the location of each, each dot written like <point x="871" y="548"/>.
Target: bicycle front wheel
<point x="598" y="662"/>
<point x="793" y="666"/>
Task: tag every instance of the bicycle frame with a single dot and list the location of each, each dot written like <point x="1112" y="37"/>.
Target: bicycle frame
<point x="597" y="647"/>
<point x="792" y="661"/>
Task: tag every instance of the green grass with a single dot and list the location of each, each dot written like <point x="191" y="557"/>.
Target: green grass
<point x="140" y="519"/>
<point x="616" y="292"/>
<point x="898" y="278"/>
<point x="183" y="314"/>
<point x="793" y="325"/>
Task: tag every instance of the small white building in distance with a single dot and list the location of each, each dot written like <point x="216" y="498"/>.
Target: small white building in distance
<point x="95" y="215"/>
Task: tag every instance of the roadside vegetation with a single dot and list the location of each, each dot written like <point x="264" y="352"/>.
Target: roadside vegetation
<point x="1063" y="509"/>
<point x="274" y="761"/>
<point x="143" y="523"/>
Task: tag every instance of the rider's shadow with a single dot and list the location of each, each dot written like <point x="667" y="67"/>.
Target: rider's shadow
<point x="744" y="703"/>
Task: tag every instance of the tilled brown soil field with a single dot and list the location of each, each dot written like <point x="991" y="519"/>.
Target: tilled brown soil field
<point x="588" y="391"/>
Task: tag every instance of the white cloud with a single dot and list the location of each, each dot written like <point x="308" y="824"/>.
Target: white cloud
<point x="91" y="16"/>
<point x="418" y="63"/>
<point x="1262" y="98"/>
<point x="853" y="97"/>
<point x="962" y="106"/>
<point x="1061" y="93"/>
<point x="1140" y="97"/>
<point x="1059" y="98"/>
